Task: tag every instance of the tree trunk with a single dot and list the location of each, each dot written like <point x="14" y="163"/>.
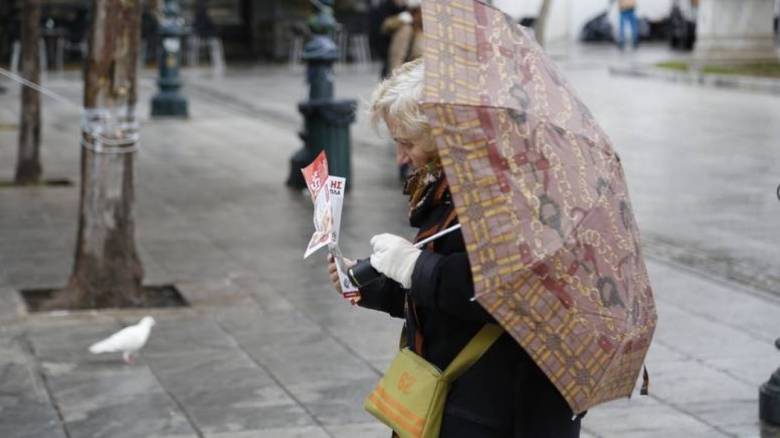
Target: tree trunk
<point x="28" y="163"/>
<point x="540" y="26"/>
<point x="107" y="271"/>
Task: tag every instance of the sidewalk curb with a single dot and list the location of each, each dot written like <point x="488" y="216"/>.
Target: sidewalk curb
<point x="766" y="85"/>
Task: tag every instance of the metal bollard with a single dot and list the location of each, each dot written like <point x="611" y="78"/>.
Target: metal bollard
<point x="769" y="397"/>
<point x="326" y="121"/>
<point x="168" y="102"/>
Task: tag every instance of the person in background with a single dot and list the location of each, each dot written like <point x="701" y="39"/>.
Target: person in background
<point x="407" y="41"/>
<point x="378" y="38"/>
<point x="627" y="10"/>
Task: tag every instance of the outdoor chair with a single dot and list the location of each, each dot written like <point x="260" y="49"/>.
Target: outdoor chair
<point x="16" y="54"/>
<point x="360" y="48"/>
<point x="296" y="50"/>
<point x="214" y="48"/>
<point x="341" y="38"/>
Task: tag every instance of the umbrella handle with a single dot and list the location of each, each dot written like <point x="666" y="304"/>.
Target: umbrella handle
<point x="441" y="233"/>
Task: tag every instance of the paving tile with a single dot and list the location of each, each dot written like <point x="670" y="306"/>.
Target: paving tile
<point x="644" y="416"/>
<point x="30" y="277"/>
<point x="682" y="383"/>
<point x="212" y="378"/>
<point x="660" y="353"/>
<point x="214" y="292"/>
<point x="152" y="416"/>
<point x="381" y="363"/>
<point x="290" y="358"/>
<point x="704" y="338"/>
<point x="737" y="417"/>
<point x="12" y="352"/>
<point x="80" y="389"/>
<point x="374" y="429"/>
<point x="248" y="417"/>
<point x="703" y="297"/>
<point x="287" y="432"/>
<point x="351" y="326"/>
<point x="23" y="417"/>
<point x="587" y="434"/>
<point x="336" y="403"/>
<point x="187" y="335"/>
<point x="68" y="341"/>
<point x="225" y="391"/>
<point x="107" y="399"/>
<point x="268" y="298"/>
<point x="248" y="322"/>
<point x="23" y="381"/>
<point x="11" y="304"/>
<point x="754" y="370"/>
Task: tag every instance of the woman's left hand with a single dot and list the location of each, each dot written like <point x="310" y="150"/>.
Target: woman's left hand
<point x="334" y="273"/>
<point x="395" y="257"/>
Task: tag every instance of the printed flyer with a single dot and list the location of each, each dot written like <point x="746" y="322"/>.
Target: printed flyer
<point x="316" y="176"/>
<point x="327" y="194"/>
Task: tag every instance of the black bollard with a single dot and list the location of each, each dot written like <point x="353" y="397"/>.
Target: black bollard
<point x="168" y="102"/>
<point x="326" y="121"/>
<point x="769" y="397"/>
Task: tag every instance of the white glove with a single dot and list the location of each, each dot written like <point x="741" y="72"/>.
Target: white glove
<point x="405" y="17"/>
<point x="395" y="257"/>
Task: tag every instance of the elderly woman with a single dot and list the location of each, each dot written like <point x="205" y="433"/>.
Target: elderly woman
<point x="504" y="394"/>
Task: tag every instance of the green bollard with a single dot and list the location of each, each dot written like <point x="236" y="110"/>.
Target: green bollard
<point x="168" y="102"/>
<point x="326" y="121"/>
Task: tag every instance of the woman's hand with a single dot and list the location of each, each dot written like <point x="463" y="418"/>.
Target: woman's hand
<point x="395" y="257"/>
<point x="334" y="273"/>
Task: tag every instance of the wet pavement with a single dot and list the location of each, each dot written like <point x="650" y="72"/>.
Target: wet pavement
<point x="267" y="349"/>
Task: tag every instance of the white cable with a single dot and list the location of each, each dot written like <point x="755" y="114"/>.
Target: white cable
<point x="95" y="122"/>
<point x="38" y="88"/>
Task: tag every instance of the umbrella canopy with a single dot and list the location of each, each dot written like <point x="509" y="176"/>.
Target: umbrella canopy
<point x="541" y="195"/>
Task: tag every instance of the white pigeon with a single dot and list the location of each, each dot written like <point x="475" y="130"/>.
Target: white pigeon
<point x="128" y="340"/>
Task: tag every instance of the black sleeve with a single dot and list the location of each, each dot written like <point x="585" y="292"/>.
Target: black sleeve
<point x="443" y="282"/>
<point x="384" y="295"/>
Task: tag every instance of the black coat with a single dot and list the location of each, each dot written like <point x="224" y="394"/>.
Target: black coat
<point x="491" y="399"/>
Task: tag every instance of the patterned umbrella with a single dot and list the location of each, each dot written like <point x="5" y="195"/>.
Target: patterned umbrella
<point x="541" y="195"/>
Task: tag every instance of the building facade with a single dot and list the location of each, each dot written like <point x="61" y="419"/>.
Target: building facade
<point x="252" y="30"/>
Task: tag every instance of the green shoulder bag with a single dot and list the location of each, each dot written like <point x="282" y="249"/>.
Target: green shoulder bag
<point x="410" y="396"/>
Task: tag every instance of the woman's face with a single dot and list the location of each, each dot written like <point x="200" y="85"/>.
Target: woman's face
<point x="410" y="151"/>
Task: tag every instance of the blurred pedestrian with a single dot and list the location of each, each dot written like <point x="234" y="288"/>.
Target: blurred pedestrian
<point x="504" y="393"/>
<point x="627" y="10"/>
<point x="406" y="43"/>
<point x="378" y="37"/>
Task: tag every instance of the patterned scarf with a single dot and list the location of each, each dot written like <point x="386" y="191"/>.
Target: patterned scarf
<point x="426" y="188"/>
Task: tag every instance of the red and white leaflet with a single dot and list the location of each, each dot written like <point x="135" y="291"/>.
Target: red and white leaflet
<point x="336" y="186"/>
<point x="316" y="176"/>
<point x="328" y="204"/>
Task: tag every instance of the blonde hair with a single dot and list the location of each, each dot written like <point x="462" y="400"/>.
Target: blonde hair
<point x="398" y="97"/>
